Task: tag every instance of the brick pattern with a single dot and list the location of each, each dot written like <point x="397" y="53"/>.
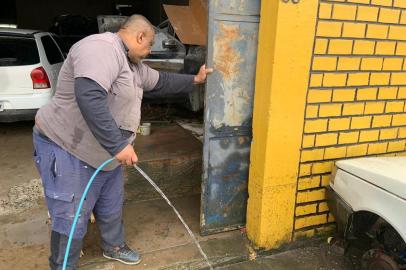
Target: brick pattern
<point x="356" y="101"/>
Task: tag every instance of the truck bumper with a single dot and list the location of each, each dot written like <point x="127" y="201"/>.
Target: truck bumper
<point x="17" y="115"/>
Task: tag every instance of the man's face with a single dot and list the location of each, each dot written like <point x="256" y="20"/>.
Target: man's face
<point x="140" y="45"/>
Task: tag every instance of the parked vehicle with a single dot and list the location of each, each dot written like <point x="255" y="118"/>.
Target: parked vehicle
<point x="29" y="66"/>
<point x="368" y="199"/>
<point x="167" y="54"/>
<point x="72" y="28"/>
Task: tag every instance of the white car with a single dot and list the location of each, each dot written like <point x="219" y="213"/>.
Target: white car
<point x="368" y="199"/>
<point x="29" y="66"/>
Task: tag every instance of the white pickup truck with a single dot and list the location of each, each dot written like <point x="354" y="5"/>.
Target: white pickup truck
<point x="368" y="199"/>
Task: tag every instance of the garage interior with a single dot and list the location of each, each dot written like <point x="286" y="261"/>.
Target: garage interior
<point x="172" y="155"/>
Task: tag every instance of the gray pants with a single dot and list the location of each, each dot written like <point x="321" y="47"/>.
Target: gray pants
<point x="111" y="229"/>
<point x="64" y="178"/>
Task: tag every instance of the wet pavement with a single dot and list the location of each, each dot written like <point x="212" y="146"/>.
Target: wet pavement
<point x="151" y="227"/>
<point x="19" y="181"/>
<point x="154" y="230"/>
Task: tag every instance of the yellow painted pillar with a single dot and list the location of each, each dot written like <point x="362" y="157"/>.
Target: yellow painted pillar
<point x="286" y="37"/>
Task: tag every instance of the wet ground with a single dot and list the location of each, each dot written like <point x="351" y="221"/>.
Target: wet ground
<point x="19" y="181"/>
<point x="155" y="232"/>
<point x="151" y="227"/>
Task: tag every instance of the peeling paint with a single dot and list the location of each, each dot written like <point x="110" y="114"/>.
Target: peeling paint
<point x="237" y="7"/>
<point x="230" y="60"/>
<point x="227" y="58"/>
<point x="232" y="46"/>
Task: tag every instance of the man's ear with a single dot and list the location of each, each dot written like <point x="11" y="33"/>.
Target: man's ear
<point x="140" y="37"/>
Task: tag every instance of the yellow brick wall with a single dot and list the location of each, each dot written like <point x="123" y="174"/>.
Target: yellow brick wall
<point x="356" y="98"/>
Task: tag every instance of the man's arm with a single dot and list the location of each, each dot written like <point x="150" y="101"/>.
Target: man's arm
<point x="171" y="84"/>
<point x="92" y="102"/>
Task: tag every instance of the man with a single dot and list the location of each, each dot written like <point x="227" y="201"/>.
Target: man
<point x="93" y="116"/>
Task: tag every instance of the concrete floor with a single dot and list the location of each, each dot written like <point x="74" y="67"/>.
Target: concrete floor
<point x="306" y="258"/>
<point x="151" y="227"/>
<point x="15" y="156"/>
<point x="155" y="232"/>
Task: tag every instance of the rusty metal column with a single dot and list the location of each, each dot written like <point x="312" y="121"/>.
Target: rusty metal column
<point x="232" y="51"/>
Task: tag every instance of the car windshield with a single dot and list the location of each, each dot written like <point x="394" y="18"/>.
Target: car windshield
<point x="18" y="51"/>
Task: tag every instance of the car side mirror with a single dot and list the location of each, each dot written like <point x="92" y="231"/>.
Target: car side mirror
<point x="169" y="44"/>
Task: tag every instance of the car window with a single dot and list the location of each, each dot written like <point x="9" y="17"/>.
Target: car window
<point x="18" y="51"/>
<point x="61" y="44"/>
<point x="51" y="50"/>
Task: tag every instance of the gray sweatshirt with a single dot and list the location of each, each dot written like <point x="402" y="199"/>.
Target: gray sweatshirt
<point x="92" y="102"/>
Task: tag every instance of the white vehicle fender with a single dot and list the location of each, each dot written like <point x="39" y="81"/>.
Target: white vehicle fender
<point x="361" y="195"/>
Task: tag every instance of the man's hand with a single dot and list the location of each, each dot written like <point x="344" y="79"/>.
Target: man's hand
<point x="200" y="77"/>
<point x="127" y="156"/>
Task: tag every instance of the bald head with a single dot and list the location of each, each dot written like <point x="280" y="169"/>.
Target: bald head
<point x="137" y="33"/>
<point x="138" y="23"/>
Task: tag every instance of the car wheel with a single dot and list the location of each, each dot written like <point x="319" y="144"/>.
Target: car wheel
<point x="376" y="259"/>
